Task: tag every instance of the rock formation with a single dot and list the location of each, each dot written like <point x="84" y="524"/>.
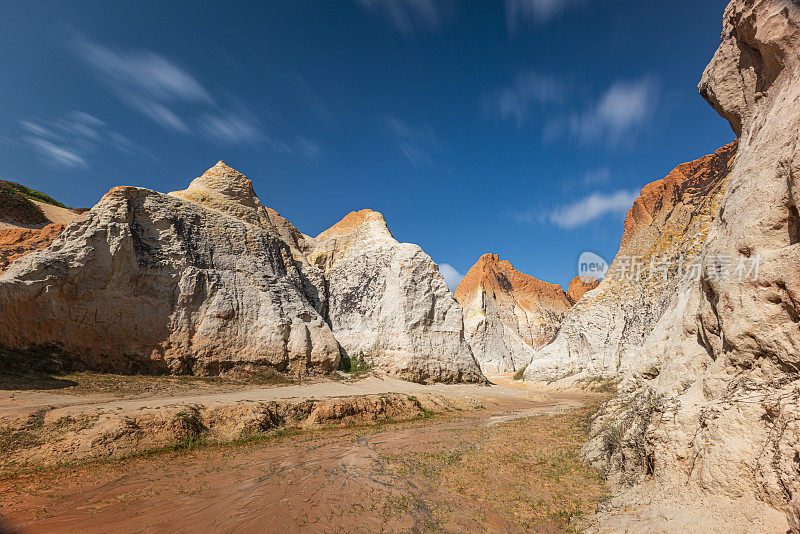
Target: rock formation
<point x="508" y="314"/>
<point x="388" y="302"/>
<point x="27" y="223"/>
<point x="227" y="190"/>
<point x="156" y="283"/>
<point x="579" y="286"/>
<point x="664" y="233"/>
<point x="207" y="279"/>
<point x="16" y="242"/>
<point x="703" y="435"/>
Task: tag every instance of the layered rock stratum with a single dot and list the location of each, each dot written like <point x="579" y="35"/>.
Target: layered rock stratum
<point x="17" y="242"/>
<point x="388" y="302"/>
<point x="208" y="279"/>
<point x="508" y="314"/>
<point x="27" y="223"/>
<point x="664" y="233"/>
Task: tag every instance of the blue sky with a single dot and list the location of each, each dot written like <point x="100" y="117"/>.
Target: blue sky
<point x="523" y="128"/>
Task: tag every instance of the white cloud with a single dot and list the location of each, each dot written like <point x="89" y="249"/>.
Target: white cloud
<point x="310" y="149"/>
<point x="36" y="128"/>
<point x="170" y="96"/>
<point x="592" y="207"/>
<point x="514" y="101"/>
<point x="231" y="127"/>
<point x="416" y="142"/>
<point x="55" y="154"/>
<point x="69" y="140"/>
<point x="614" y="118"/>
<point x="410" y="16"/>
<point x="451" y="276"/>
<point x="147" y="82"/>
<point x="523" y="13"/>
<point x="142" y="77"/>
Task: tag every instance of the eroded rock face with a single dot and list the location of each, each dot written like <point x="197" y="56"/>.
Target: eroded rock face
<point x="388" y="302"/>
<point x="579" y="286"/>
<point x="713" y="427"/>
<point x="665" y="227"/>
<point x="508" y="314"/>
<point x="208" y="278"/>
<point x="224" y="189"/>
<point x="155" y="283"/>
<point x="17" y="242"/>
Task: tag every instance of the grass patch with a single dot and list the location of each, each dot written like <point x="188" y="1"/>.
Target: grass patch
<point x="354" y="366"/>
<point x="26" y="437"/>
<point x="528" y="471"/>
<point x="601" y="384"/>
<point x="32" y="193"/>
<point x="624" y="436"/>
<point x="520" y="374"/>
<point x="16" y="205"/>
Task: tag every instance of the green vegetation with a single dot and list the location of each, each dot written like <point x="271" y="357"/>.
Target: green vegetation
<point x="24" y="437"/>
<point x="16" y="205"/>
<point x="520" y="373"/>
<point x="31" y="193"/>
<point x="600" y="384"/>
<point x="356" y="366"/>
<point x="625" y="433"/>
<point x="37" y="195"/>
<point x="190" y="428"/>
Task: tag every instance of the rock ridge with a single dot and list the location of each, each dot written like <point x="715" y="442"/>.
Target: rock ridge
<point x="508" y="314"/>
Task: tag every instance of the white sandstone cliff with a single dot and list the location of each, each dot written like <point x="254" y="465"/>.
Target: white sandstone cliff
<point x="707" y="439"/>
<point x="147" y="282"/>
<point x="388" y="302"/>
<point x="666" y="226"/>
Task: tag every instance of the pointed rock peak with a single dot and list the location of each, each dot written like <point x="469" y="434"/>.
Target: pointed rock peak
<point x="225" y="180"/>
<point x="225" y="189"/>
<point x="490" y="273"/>
<point x="363" y="220"/>
<point x="488" y="259"/>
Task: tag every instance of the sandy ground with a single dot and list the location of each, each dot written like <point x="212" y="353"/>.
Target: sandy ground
<point x="501" y="458"/>
<point x="19" y="403"/>
<point x="54" y="213"/>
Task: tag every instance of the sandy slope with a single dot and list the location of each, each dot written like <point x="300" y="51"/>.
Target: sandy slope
<point x="53" y="213"/>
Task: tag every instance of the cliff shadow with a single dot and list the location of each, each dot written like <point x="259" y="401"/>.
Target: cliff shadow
<point x="37" y="369"/>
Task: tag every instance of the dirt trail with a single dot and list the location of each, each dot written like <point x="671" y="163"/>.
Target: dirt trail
<point x="501" y="459"/>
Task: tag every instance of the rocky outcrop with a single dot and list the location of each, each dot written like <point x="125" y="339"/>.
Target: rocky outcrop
<point x="388" y="302"/>
<point x="150" y="282"/>
<point x="209" y="279"/>
<point x="706" y="438"/>
<point x="17" y="242"/>
<point x="664" y="233"/>
<point x="69" y="435"/>
<point x="26" y="222"/>
<point x="508" y="314"/>
<point x="579" y="286"/>
<point x="224" y="189"/>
